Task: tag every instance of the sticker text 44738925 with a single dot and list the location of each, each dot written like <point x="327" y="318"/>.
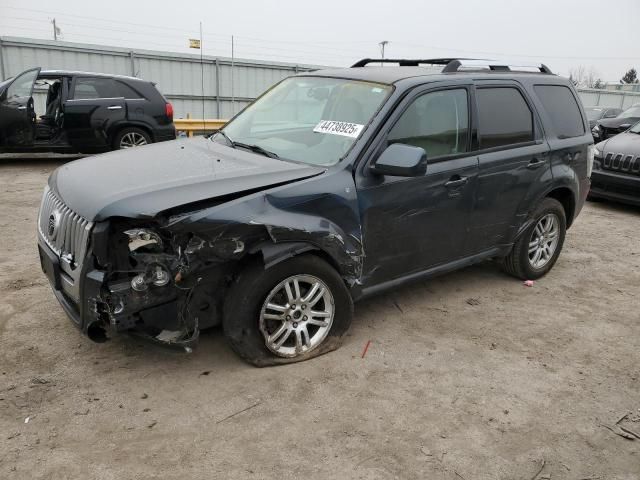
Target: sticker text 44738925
<point x="345" y="129"/>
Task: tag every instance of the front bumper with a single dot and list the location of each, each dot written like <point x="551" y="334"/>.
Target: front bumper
<point x="615" y="186"/>
<point x="89" y="303"/>
<point x="72" y="293"/>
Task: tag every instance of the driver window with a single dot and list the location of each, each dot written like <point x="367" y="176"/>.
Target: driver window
<point x="438" y="122"/>
<point x="23" y="85"/>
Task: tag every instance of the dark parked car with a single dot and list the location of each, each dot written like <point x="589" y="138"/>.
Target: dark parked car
<point x="616" y="168"/>
<point x="331" y="187"/>
<point x="609" y="127"/>
<point x="84" y="112"/>
<point x="598" y="113"/>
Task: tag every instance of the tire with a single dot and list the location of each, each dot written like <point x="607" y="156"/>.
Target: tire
<point x="520" y="262"/>
<point x="248" y="322"/>
<point x="135" y="137"/>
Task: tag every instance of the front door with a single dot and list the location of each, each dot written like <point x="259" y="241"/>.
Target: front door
<point x="17" y="113"/>
<point x="413" y="224"/>
<point x="94" y="106"/>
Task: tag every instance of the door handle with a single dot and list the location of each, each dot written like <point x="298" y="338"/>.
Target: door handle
<point x="22" y="107"/>
<point x="535" y="163"/>
<point x="456" y="181"/>
<point x="114" y="107"/>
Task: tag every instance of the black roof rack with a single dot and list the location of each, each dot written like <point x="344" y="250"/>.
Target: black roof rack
<point x="405" y="62"/>
<point x="456" y="64"/>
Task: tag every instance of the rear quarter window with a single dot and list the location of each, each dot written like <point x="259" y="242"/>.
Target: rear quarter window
<point x="562" y="108"/>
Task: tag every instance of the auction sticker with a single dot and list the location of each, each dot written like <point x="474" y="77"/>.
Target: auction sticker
<point x="345" y="129"/>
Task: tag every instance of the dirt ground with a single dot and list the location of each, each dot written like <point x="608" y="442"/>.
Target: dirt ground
<point x="468" y="376"/>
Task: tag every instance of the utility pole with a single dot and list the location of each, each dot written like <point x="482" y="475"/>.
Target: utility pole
<point x="204" y="127"/>
<point x="233" y="98"/>
<point x="383" y="44"/>
<point x="55" y="29"/>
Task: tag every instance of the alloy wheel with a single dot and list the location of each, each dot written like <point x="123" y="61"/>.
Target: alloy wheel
<point x="544" y="240"/>
<point x="297" y="315"/>
<point x="132" y="139"/>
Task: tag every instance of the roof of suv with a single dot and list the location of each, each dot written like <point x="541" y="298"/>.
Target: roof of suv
<point x="73" y="73"/>
<point x="412" y="69"/>
<point x="391" y="75"/>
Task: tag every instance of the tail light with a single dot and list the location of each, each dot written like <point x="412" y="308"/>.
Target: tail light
<point x="168" y="110"/>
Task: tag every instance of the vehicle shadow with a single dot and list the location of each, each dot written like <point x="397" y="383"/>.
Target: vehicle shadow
<point x="213" y="354"/>
<point x="618" y="207"/>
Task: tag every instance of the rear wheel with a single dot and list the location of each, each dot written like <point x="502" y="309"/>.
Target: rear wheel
<point x="131" y="137"/>
<point x="537" y="249"/>
<point x="292" y="311"/>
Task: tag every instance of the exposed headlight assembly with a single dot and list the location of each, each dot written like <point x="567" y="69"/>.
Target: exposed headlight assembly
<point x="143" y="237"/>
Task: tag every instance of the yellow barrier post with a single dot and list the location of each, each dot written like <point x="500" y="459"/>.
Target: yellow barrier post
<point x="191" y="125"/>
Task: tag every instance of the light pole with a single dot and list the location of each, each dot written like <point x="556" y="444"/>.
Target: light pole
<point x="383" y="44"/>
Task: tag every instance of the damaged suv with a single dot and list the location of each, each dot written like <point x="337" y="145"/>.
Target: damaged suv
<point x="331" y="187"/>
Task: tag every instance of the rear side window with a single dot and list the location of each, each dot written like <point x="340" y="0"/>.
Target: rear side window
<point x="504" y="118"/>
<point x="126" y="91"/>
<point x="89" y="88"/>
<point x="561" y="106"/>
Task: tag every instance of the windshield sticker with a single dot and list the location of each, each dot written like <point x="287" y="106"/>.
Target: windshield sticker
<point x="345" y="129"/>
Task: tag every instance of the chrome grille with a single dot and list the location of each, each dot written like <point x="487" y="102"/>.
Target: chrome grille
<point x="63" y="230"/>
<point x="620" y="162"/>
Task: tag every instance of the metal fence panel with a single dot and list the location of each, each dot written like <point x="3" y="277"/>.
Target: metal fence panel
<point x="178" y="76"/>
<point x="608" y="98"/>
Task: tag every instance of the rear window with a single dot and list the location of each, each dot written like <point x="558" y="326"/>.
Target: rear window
<point x="90" y="88"/>
<point x="562" y="108"/>
<point x="504" y="117"/>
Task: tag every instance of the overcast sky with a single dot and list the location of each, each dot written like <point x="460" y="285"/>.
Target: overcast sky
<point x="563" y="34"/>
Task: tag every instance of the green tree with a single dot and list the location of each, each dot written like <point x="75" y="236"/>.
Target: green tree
<point x="630" y="77"/>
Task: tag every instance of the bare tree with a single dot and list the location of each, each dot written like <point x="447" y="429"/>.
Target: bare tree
<point x="577" y="75"/>
<point x="582" y="76"/>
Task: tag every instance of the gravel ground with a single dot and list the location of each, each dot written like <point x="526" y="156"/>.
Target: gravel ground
<point x="468" y="376"/>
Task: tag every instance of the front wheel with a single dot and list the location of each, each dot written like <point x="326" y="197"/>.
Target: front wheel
<point x="537" y="249"/>
<point x="295" y="310"/>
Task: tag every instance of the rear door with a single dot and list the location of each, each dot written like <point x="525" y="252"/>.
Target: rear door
<point x="513" y="162"/>
<point x="94" y="106"/>
<point x="17" y="114"/>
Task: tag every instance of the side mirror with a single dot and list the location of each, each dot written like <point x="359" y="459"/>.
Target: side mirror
<point x="624" y="126"/>
<point x="401" y="160"/>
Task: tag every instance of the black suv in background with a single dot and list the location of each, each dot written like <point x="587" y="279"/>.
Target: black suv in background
<point x="83" y="112"/>
<point x="331" y="187"/>
<point x="608" y="127"/>
<point x="598" y="113"/>
<point x="616" y="168"/>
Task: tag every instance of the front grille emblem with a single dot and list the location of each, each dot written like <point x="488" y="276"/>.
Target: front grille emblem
<point x="54" y="223"/>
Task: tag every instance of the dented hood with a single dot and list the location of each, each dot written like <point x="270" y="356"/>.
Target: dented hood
<point x="144" y="181"/>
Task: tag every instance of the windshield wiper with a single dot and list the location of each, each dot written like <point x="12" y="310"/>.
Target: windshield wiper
<point x="226" y="137"/>
<point x="253" y="148"/>
<point x="256" y="149"/>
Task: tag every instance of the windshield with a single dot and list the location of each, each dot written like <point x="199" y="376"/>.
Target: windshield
<point x="6" y="82"/>
<point x="631" y="112"/>
<point x="313" y="120"/>
<point x="594" y="113"/>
